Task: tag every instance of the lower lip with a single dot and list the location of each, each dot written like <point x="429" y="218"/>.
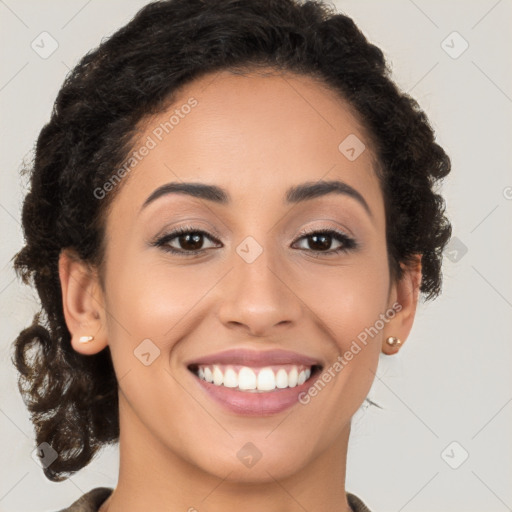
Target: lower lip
<point x="256" y="404"/>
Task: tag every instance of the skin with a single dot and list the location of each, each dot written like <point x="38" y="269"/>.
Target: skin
<point x="254" y="136"/>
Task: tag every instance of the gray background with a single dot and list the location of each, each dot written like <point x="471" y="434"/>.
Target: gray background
<point x="452" y="380"/>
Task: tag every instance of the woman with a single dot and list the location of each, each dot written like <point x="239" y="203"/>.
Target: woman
<point x="232" y="213"/>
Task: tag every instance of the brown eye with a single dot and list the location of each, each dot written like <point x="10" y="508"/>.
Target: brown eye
<point x="190" y="242"/>
<point x="185" y="240"/>
<point x="323" y="240"/>
<point x="320" y="242"/>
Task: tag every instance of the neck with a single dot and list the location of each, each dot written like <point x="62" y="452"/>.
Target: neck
<point x="152" y="477"/>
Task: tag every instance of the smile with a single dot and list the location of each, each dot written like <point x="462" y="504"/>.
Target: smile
<point x="255" y="380"/>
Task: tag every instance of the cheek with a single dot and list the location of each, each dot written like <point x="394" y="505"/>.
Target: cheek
<point x="350" y="302"/>
<point x="347" y="299"/>
<point x="154" y="299"/>
<point x="359" y="302"/>
<point x="157" y="295"/>
<point x="350" y="306"/>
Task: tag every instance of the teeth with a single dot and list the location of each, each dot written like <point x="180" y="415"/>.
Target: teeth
<point x="230" y="378"/>
<point x="266" y="380"/>
<point x="282" y="378"/>
<point x="246" y="378"/>
<point x="218" y="377"/>
<point x="292" y="377"/>
<point x="208" y="376"/>
<point x="254" y="380"/>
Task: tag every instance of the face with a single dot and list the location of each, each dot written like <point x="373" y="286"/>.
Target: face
<point x="278" y="273"/>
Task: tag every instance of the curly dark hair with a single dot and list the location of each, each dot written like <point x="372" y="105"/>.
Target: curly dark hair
<point x="137" y="72"/>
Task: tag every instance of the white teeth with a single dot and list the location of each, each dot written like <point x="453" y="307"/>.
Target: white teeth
<point x="266" y="380"/>
<point x="281" y="379"/>
<point x="230" y="378"/>
<point x="218" y="377"/>
<point x="293" y="377"/>
<point x="208" y="377"/>
<point x="247" y="379"/>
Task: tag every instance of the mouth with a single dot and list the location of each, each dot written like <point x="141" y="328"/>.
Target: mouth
<point x="255" y="383"/>
<point x="255" y="379"/>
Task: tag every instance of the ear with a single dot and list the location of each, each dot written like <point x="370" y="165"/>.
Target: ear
<point x="404" y="296"/>
<point x="83" y="303"/>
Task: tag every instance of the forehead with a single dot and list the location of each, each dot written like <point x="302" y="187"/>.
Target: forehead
<point x="254" y="135"/>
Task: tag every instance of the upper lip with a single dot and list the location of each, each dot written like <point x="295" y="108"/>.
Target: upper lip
<point x="255" y="358"/>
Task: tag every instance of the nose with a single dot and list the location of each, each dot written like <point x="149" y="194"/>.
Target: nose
<point x="258" y="298"/>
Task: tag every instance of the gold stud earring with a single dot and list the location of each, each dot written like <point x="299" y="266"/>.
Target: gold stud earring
<point x="85" y="339"/>
<point x="393" y="341"/>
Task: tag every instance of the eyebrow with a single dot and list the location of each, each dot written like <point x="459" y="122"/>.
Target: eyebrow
<point x="295" y="194"/>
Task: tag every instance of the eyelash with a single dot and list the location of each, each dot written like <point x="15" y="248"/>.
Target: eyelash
<point x="349" y="244"/>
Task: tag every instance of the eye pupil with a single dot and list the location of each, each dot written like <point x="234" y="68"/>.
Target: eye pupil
<point x="193" y="241"/>
<point x="322" y="242"/>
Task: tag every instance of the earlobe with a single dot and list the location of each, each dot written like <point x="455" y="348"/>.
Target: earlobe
<point x="82" y="301"/>
<point x="406" y="298"/>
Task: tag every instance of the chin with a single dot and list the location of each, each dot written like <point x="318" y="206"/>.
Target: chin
<point x="252" y="465"/>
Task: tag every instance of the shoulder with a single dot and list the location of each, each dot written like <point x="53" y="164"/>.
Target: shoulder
<point x="90" y="501"/>
<point x="356" y="503"/>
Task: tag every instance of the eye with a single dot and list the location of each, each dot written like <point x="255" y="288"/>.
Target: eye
<point x="321" y="241"/>
<point x="189" y="241"/>
<point x="186" y="241"/>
